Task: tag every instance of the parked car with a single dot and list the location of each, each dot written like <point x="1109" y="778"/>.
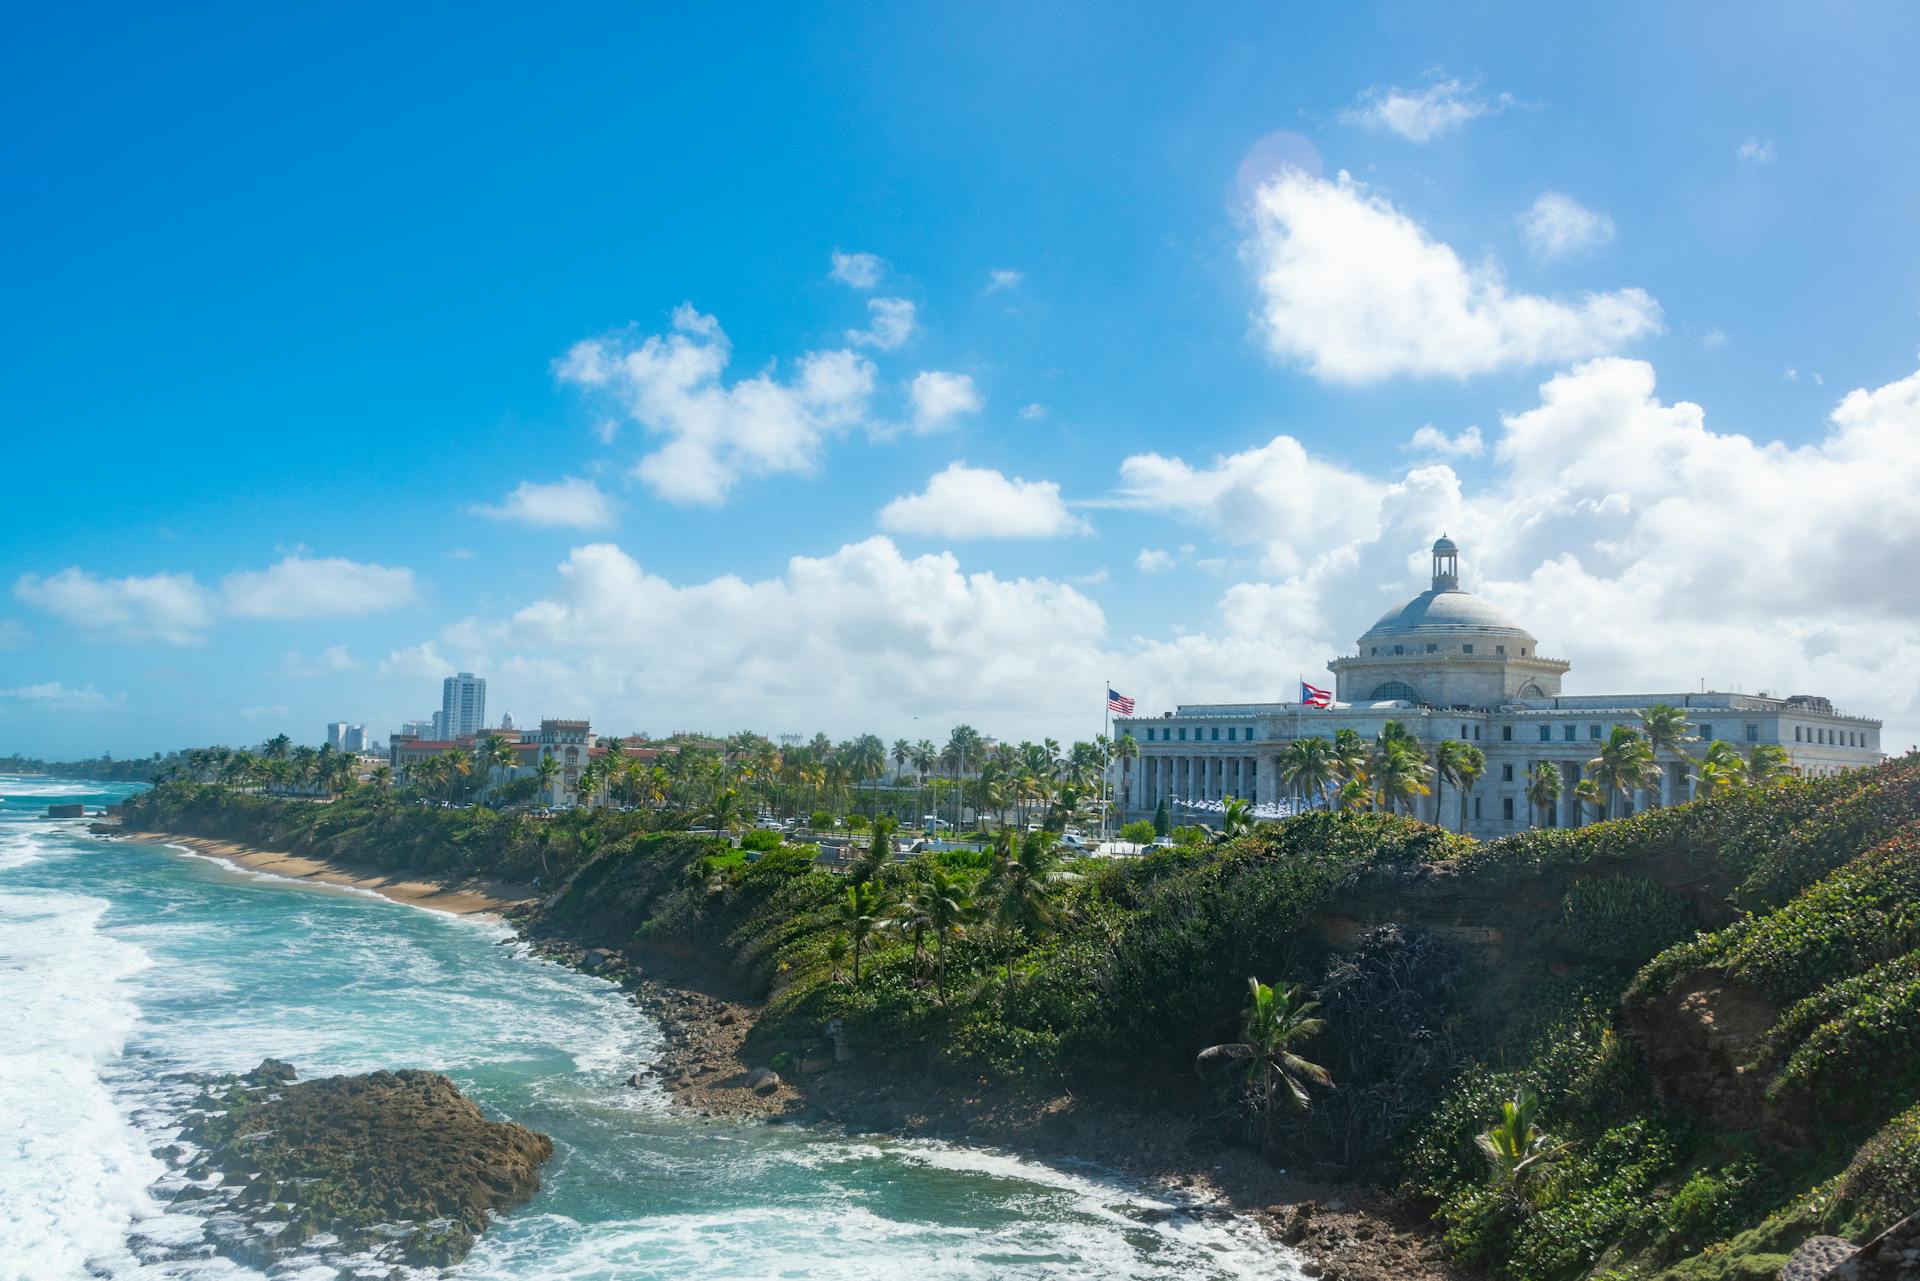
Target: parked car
<point x="934" y="823"/>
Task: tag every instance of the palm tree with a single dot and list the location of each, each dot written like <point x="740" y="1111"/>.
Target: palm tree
<point x="456" y="764"/>
<point x="277" y="747"/>
<point x="1350" y="754"/>
<point x="1237" y="819"/>
<point x="1355" y="795"/>
<point x="1587" y="792"/>
<point x="902" y="755"/>
<point x="1515" y="1146"/>
<point x="1309" y="767"/>
<point x="546" y="772"/>
<point x="861" y="913"/>
<point x="1768" y="764"/>
<point x="382" y="777"/>
<point x="837" y="950"/>
<point x="1448" y="758"/>
<point x="1400" y="772"/>
<point x="1473" y="763"/>
<point x="489" y="754"/>
<point x="1622" y="765"/>
<point x="947" y="904"/>
<point x="1665" y="728"/>
<point x="1543" y="788"/>
<point x="724" y="810"/>
<point x="1274" y="1021"/>
<point x="1024" y="884"/>
<point x="879" y="849"/>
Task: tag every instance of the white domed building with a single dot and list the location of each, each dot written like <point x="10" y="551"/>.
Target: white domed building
<point x="1450" y="664"/>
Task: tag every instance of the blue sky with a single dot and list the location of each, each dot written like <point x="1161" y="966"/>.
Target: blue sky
<point x="295" y="303"/>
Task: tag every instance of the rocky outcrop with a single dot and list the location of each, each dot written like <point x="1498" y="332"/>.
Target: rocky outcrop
<point x="397" y="1163"/>
<point x="1894" y="1255"/>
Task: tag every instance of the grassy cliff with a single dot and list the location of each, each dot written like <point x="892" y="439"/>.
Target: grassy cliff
<point x="1717" y="1006"/>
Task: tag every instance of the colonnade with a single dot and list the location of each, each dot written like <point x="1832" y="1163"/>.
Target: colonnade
<point x="1199" y="777"/>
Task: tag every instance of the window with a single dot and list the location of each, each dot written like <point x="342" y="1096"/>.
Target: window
<point x="1229" y="733"/>
<point x="1216" y="733"/>
<point x="1593" y="733"/>
<point x="1523" y="651"/>
<point x="1569" y="733"/>
<point x="1467" y="648"/>
<point x="1463" y="731"/>
<point x="1506" y="773"/>
<point x="1753" y="733"/>
<point x="1799" y="735"/>
<point x="1506" y="733"/>
<point x="1433" y="649"/>
<point x="1546" y="733"/>
<point x="1399" y="649"/>
<point x="1249" y="733"/>
<point x="1183" y="733"/>
<point x="1376" y="651"/>
<point x="1476" y="807"/>
<point x="1506" y="808"/>
<point x="1706" y="733"/>
<point x="1476" y="733"/>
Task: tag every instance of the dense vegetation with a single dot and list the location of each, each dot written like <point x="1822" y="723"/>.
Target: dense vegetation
<point x="1671" y="1045"/>
<point x="136" y="769"/>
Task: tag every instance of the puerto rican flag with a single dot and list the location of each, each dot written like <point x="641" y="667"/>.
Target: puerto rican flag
<point x="1118" y="702"/>
<point x="1312" y="696"/>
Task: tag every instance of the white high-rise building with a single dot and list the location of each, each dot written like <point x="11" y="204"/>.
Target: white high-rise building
<point x="463" y="705"/>
<point x="356" y="738"/>
<point x="337" y="735"/>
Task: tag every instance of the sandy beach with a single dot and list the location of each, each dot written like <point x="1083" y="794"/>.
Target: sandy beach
<point x="464" y="898"/>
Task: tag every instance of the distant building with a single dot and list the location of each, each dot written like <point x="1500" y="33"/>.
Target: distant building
<point x="418" y="729"/>
<point x="506" y="723"/>
<point x="337" y="735"/>
<point x="571" y="744"/>
<point x="356" y="738"/>
<point x="1448" y="664"/>
<point x="463" y="705"/>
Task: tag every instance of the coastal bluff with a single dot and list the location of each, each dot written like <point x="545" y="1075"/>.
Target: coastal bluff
<point x="401" y="1165"/>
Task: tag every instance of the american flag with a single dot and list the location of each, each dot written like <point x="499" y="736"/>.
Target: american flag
<point x="1312" y="696"/>
<point x="1118" y="702"/>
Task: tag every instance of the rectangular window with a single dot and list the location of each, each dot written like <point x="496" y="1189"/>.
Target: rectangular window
<point x="1229" y="733"/>
<point x="1799" y="735"/>
<point x="1399" y="649"/>
<point x="1463" y="731"/>
<point x="1467" y="648"/>
<point x="1753" y="733"/>
<point x="1593" y="733"/>
<point x="1433" y="649"/>
<point x="1183" y="733"/>
<point x="1376" y="651"/>
<point x="1476" y="733"/>
<point x="1506" y="773"/>
<point x="1499" y="649"/>
<point x="1249" y="733"/>
<point x="1706" y="733"/>
<point x="1506" y="733"/>
<point x="1216" y="733"/>
<point x="1476" y="807"/>
<point x="1546" y="733"/>
<point x="1570" y="733"/>
<point x="1506" y="808"/>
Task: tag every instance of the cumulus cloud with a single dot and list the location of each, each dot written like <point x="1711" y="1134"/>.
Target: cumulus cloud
<point x="1759" y="151"/>
<point x="316" y="587"/>
<point x="1421" y="115"/>
<point x="715" y="432"/>
<point x="939" y="398"/>
<point x="857" y="270"/>
<point x="978" y="502"/>
<point x="172" y="608"/>
<point x="1431" y="440"/>
<point x="892" y="323"/>
<point x="1557" y="226"/>
<point x="1154" y="560"/>
<point x="568" y="503"/>
<point x="1004" y="278"/>
<point x="330" y="661"/>
<point x="420" y="662"/>
<point x="1357" y="291"/>
<point x="52" y="696"/>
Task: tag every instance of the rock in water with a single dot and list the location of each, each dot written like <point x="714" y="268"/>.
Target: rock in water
<point x="345" y="1153"/>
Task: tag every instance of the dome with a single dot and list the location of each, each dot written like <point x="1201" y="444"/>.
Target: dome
<point x="1444" y="544"/>
<point x="1444" y="612"/>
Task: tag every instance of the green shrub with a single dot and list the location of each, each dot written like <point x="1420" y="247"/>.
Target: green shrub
<point x="1138" y="832"/>
<point x="1882" y="1184"/>
<point x="760" y="840"/>
<point x="1622" y="919"/>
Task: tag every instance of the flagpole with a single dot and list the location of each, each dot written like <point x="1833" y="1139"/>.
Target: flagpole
<point x="1106" y="723"/>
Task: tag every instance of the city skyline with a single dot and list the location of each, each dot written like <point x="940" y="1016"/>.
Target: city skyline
<point x="849" y="402"/>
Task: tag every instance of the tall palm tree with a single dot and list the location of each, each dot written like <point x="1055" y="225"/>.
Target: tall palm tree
<point x="861" y="913"/>
<point x="1275" y="1020"/>
<point x="546" y="772"/>
<point x="1543" y="788"/>
<point x="1355" y="795"/>
<point x="902" y="755"/>
<point x="1587" y="792"/>
<point x="1768" y="764"/>
<point x="724" y="810"/>
<point x="1350" y="754"/>
<point x="1309" y="767"/>
<point x="456" y="764"/>
<point x="489" y="754"/>
<point x="1400" y="772"/>
<point x="1024" y="884"/>
<point x="1448" y="759"/>
<point x="1623" y="765"/>
<point x="1473" y="764"/>
<point x="947" y="904"/>
<point x="1665" y="728"/>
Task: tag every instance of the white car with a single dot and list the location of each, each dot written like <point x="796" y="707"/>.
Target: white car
<point x="934" y="822"/>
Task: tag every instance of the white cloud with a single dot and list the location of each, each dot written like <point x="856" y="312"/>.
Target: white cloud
<point x="1357" y="291"/>
<point x="53" y="696"/>
<point x="1758" y="150"/>
<point x="1004" y="278"/>
<point x="1431" y="440"/>
<point x="568" y="503"/>
<point x="1714" y="338"/>
<point x="330" y="661"/>
<point x="14" y="634"/>
<point x="420" y="662"/>
<point x="893" y="322"/>
<point x="1421" y="115"/>
<point x="1154" y="560"/>
<point x="1033" y="412"/>
<point x="1558" y="226"/>
<point x="316" y="587"/>
<point x="939" y="397"/>
<point x="862" y="638"/>
<point x="173" y="608"/>
<point x="978" y="502"/>
<point x="716" y="432"/>
<point x="857" y="271"/>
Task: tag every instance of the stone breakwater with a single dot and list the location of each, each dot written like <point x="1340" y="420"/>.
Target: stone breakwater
<point x="386" y="1168"/>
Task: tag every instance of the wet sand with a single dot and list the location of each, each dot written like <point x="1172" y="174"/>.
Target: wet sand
<point x="464" y="898"/>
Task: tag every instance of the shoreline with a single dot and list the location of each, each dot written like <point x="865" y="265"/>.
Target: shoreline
<point x="462" y="898"/>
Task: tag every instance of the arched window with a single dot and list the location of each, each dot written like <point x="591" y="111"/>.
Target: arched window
<point x="1394" y="689"/>
<point x="1530" y="690"/>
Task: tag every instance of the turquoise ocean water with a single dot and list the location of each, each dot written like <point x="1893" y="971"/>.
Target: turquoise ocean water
<point x="122" y="962"/>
